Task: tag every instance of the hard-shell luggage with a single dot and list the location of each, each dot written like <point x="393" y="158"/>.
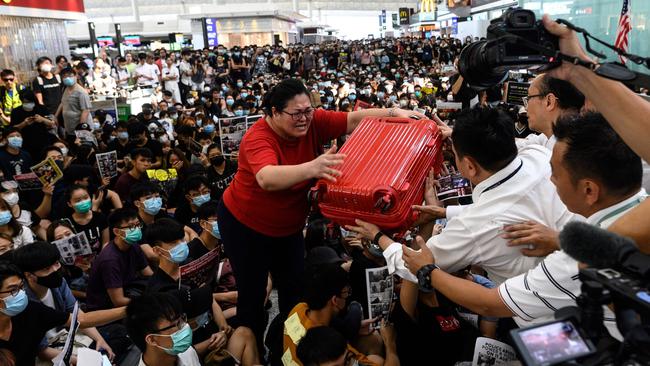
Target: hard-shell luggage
<point x="383" y="173"/>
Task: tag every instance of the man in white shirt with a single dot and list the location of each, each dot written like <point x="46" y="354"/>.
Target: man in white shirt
<point x="186" y="71"/>
<point x="596" y="176"/>
<point x="170" y="77"/>
<point x="158" y="327"/>
<point x="548" y="99"/>
<point x="509" y="188"/>
<point x="147" y="73"/>
<point x="121" y="73"/>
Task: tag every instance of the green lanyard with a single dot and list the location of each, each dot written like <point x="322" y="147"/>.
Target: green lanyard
<point x="619" y="210"/>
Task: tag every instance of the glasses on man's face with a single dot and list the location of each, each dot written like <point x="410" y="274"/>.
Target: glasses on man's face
<point x="178" y="324"/>
<point x="297" y="117"/>
<point x="529" y="97"/>
<point x="13" y="290"/>
<point x="132" y="226"/>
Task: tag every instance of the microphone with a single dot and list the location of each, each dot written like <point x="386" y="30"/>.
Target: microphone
<point x="603" y="249"/>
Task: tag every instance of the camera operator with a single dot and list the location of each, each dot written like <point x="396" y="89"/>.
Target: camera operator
<point x="596" y="176"/>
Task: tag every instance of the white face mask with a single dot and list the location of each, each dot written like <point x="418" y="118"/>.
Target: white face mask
<point x="46" y="68"/>
<point x="11" y="198"/>
<point x="64" y="151"/>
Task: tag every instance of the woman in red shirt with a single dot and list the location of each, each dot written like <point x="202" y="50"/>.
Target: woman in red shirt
<point x="263" y="211"/>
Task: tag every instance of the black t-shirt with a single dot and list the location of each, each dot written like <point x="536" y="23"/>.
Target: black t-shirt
<point x="197" y="249"/>
<point x="187" y="217"/>
<point x="93" y="230"/>
<point x="154" y="146"/>
<point x="15" y="164"/>
<point x="28" y="329"/>
<point x="52" y="91"/>
<point x="119" y="148"/>
<point x="447" y="337"/>
<point x="36" y="135"/>
<point x="219" y="182"/>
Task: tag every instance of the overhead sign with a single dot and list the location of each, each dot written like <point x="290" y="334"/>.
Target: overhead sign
<point x="383" y="17"/>
<point x="59" y="9"/>
<point x="404" y="15"/>
<point x="211" y="31"/>
<point x="427" y="6"/>
<point x="454" y="25"/>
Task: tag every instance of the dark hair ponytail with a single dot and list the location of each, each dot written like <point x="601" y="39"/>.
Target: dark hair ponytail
<point x="280" y="95"/>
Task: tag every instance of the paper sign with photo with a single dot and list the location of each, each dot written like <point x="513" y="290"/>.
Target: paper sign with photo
<point x="231" y="132"/>
<point x="73" y="247"/>
<point x="107" y="164"/>
<point x="86" y="137"/>
<point x="490" y="352"/>
<point x="28" y="181"/>
<point x="201" y="271"/>
<point x="47" y="171"/>
<point x="380" y="292"/>
<point x="453" y="186"/>
<point x="63" y="358"/>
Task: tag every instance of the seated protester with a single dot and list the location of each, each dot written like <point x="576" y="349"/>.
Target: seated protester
<point x="118" y="266"/>
<point x="121" y="141"/>
<point x="202" y="159"/>
<point x="22" y="211"/>
<point x="324" y="346"/>
<point x="147" y="114"/>
<point x="139" y="138"/>
<point x="33" y="121"/>
<point x="184" y="135"/>
<point x="24" y="323"/>
<point x="221" y="171"/>
<point x="77" y="274"/>
<point x="104" y="200"/>
<point x="428" y="321"/>
<point x="509" y="187"/>
<point x="10" y="227"/>
<point x="40" y="265"/>
<point x="84" y="219"/>
<point x="596" y="176"/>
<point x="175" y="159"/>
<point x="141" y="160"/>
<point x="14" y="160"/>
<point x="197" y="193"/>
<point x="326" y="292"/>
<point x="65" y="151"/>
<point x="167" y="238"/>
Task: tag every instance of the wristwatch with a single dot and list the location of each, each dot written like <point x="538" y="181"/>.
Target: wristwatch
<point x="424" y="277"/>
<point x="377" y="237"/>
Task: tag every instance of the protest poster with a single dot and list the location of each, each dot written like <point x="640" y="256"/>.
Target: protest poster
<point x="361" y="105"/>
<point x="47" y="171"/>
<point x="490" y="352"/>
<point x="86" y="137"/>
<point x="107" y="164"/>
<point x="453" y="187"/>
<point x="201" y="271"/>
<point x="166" y="179"/>
<point x="28" y="181"/>
<point x="231" y="132"/>
<point x="380" y="293"/>
<point x="63" y="358"/>
<point x="73" y="247"/>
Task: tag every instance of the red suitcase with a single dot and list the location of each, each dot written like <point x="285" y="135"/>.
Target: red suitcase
<point x="383" y="174"/>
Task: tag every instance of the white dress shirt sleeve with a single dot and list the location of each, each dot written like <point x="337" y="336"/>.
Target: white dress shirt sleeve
<point x="454" y="210"/>
<point x="531" y="139"/>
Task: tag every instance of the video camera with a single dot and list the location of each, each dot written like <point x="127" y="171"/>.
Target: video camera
<point x="578" y="336"/>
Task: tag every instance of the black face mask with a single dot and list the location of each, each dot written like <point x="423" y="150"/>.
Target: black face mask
<point x="53" y="280"/>
<point x="217" y="160"/>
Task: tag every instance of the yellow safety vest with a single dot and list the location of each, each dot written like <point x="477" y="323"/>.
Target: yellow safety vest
<point x="10" y="102"/>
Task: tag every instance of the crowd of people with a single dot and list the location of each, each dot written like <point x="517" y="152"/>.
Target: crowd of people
<point x="468" y="271"/>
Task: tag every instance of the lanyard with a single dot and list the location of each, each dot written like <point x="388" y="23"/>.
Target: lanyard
<point x="504" y="179"/>
<point x="619" y="211"/>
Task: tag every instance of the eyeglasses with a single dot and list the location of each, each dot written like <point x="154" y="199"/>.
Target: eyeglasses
<point x="297" y="117"/>
<point x="178" y="323"/>
<point x="8" y="79"/>
<point x="132" y="226"/>
<point x="16" y="290"/>
<point x="528" y="97"/>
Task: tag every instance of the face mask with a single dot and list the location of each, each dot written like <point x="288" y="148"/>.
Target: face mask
<point x="403" y="103"/>
<point x="418" y="94"/>
<point x="199" y="122"/>
<point x="123" y="135"/>
<point x="209" y="128"/>
<point x="152" y="205"/>
<point x="240" y="84"/>
<point x="28" y="107"/>
<point x="190" y="101"/>
<point x="173" y="116"/>
<point x="11" y="198"/>
<point x="224" y="88"/>
<point x="380" y="95"/>
<point x="179" y="253"/>
<point x="392" y="98"/>
<point x="83" y="206"/>
<point x="53" y="280"/>
<point x="133" y="236"/>
<point x="217" y="160"/>
<point x="215" y="230"/>
<point x="96" y="126"/>
<point x="247" y="112"/>
<point x="69" y="81"/>
<point x="46" y="68"/>
<point x="5" y="217"/>
<point x="352" y="96"/>
<point x="244" y="95"/>
<point x="239" y="113"/>
<point x="330" y="99"/>
<point x="15" y="142"/>
<point x="230" y="102"/>
<point x="181" y="341"/>
<point x="15" y="304"/>
<point x="198" y="201"/>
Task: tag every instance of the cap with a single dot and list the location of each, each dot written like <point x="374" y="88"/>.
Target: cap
<point x="83" y="126"/>
<point x="323" y="255"/>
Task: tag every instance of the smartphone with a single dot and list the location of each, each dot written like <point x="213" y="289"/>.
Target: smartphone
<point x="552" y="343"/>
<point x="195" y="147"/>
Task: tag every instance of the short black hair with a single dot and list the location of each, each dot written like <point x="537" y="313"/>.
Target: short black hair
<point x="487" y="135"/>
<point x="194" y="182"/>
<point x="568" y="96"/>
<point x="8" y="269"/>
<point x="595" y="150"/>
<point x="142" y="151"/>
<point x="137" y="128"/>
<point x="164" y="230"/>
<point x="280" y="95"/>
<point x="323" y="282"/>
<point x="208" y="210"/>
<point x="67" y="71"/>
<point x="36" y="256"/>
<point x="6" y="72"/>
<point x="71" y="189"/>
<point x="145" y="312"/>
<point x="121" y="216"/>
<point x="320" y="345"/>
<point x="142" y="189"/>
<point x="42" y="59"/>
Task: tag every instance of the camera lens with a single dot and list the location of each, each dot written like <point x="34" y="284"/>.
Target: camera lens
<point x="477" y="68"/>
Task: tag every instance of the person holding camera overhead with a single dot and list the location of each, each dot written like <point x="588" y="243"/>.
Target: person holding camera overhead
<point x="263" y="211"/>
